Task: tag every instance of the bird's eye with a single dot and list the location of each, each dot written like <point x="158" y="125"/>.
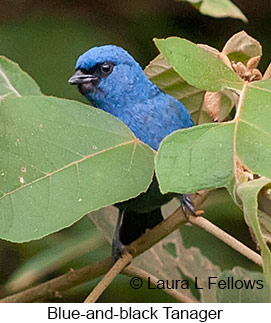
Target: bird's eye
<point x="106" y="68"/>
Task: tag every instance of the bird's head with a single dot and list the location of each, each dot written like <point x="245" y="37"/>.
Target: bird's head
<point x="109" y="77"/>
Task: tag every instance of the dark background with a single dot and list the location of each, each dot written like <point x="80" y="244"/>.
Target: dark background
<point x="46" y="37"/>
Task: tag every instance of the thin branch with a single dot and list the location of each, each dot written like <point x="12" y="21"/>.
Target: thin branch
<point x="73" y="278"/>
<point x="108" y="278"/>
<point x="138" y="272"/>
<point x="54" y="287"/>
<point x="226" y="238"/>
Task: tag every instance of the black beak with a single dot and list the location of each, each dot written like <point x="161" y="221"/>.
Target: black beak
<point x="80" y="78"/>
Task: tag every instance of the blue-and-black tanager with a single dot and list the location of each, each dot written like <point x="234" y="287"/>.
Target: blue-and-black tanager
<point x="113" y="81"/>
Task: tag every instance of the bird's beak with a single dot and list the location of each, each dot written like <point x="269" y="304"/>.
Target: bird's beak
<point x="80" y="78"/>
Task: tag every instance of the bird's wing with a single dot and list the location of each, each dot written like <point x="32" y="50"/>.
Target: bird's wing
<point x="154" y="119"/>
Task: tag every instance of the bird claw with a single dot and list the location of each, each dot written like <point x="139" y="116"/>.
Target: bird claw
<point x="187" y="205"/>
<point x="118" y="249"/>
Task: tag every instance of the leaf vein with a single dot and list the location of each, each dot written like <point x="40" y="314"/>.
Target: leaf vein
<point x="8" y="84"/>
<point x="135" y="140"/>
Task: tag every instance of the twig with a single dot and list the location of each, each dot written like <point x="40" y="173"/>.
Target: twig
<point x="226" y="238"/>
<point x="108" y="278"/>
<point x="138" y="272"/>
<point x="54" y="287"/>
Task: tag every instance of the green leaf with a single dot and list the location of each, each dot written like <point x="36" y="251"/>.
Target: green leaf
<point x="218" y="8"/>
<point x="211" y="155"/>
<point x="61" y="159"/>
<point x="253" y="131"/>
<point x="14" y="82"/>
<point x="161" y="73"/>
<point x="197" y="66"/>
<point x="248" y="193"/>
<point x="197" y="158"/>
<point x="221" y="9"/>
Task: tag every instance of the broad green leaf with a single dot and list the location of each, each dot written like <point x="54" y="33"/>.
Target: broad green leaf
<point x="61" y="159"/>
<point x="253" y="131"/>
<point x="196" y="158"/>
<point x="221" y="8"/>
<point x="241" y="47"/>
<point x="14" y="82"/>
<point x="218" y="8"/>
<point x="197" y="66"/>
<point x="248" y="193"/>
<point x="211" y="155"/>
<point x="160" y="72"/>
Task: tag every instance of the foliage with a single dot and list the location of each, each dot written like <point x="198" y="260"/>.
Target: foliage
<point x="218" y="8"/>
<point x="62" y="159"/>
<point x="222" y="154"/>
<point x="52" y="150"/>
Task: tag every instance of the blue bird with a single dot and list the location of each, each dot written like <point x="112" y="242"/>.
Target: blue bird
<point x="113" y="81"/>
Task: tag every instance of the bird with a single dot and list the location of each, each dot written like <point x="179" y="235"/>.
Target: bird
<point x="112" y="80"/>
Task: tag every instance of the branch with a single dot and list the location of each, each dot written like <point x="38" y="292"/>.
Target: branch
<point x="108" y="278"/>
<point x="54" y="287"/>
<point x="138" y="272"/>
<point x="226" y="238"/>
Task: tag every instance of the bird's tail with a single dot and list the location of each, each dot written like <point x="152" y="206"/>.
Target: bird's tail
<point x="135" y="224"/>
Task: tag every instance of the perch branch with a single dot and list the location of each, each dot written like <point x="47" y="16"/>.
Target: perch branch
<point x="226" y="238"/>
<point x="53" y="288"/>
<point x="108" y="278"/>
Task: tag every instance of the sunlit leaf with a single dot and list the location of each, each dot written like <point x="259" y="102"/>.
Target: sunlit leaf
<point x="197" y="66"/>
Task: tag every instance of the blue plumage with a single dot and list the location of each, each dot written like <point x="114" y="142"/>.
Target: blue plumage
<point x="130" y="96"/>
<point x="113" y="81"/>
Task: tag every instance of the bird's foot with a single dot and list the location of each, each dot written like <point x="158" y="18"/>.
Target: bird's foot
<point x="118" y="249"/>
<point x="187" y="205"/>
